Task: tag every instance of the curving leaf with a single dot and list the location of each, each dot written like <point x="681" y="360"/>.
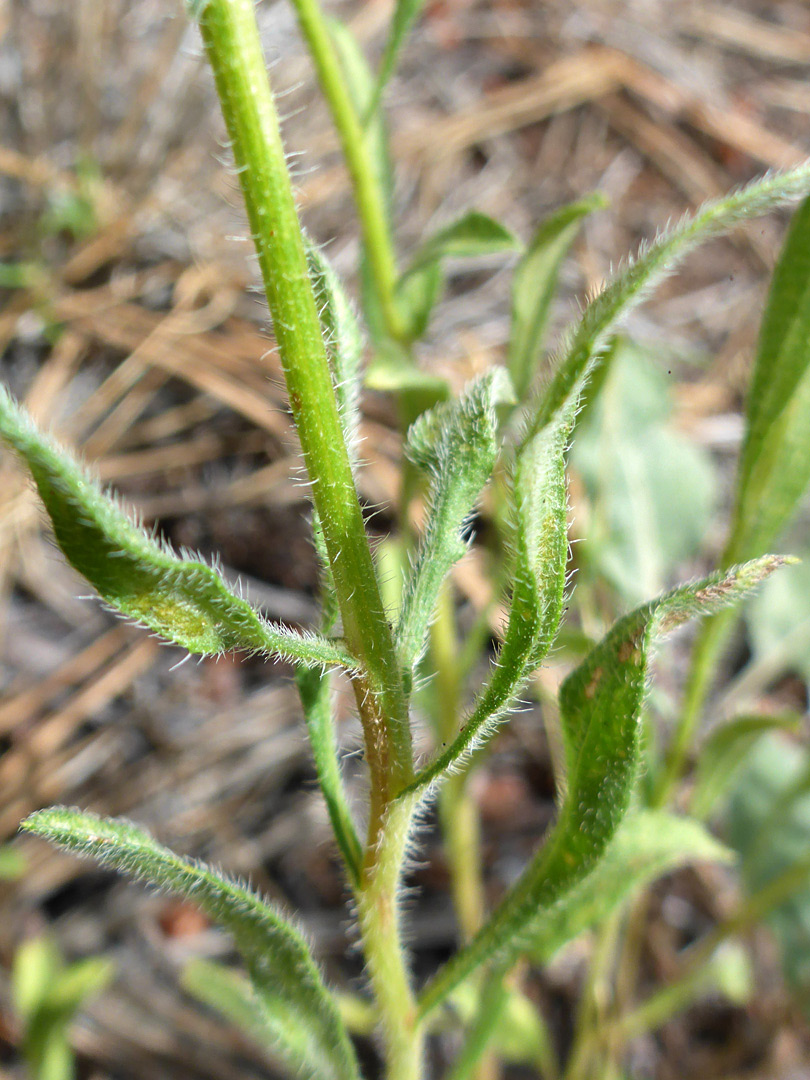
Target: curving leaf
<point x="182" y="599"/>
<point x="600" y="709"/>
<point x="647" y="845"/>
<point x="456" y="444"/>
<point x="631" y="285"/>
<point x="472" y="235"/>
<point x="539" y="538"/>
<point x="535" y="283"/>
<point x="298" y="1010"/>
<point x="775" y="462"/>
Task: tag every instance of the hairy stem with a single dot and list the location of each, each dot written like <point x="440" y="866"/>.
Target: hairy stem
<point x="378" y="915"/>
<point x="232" y="43"/>
<point x="369" y="198"/>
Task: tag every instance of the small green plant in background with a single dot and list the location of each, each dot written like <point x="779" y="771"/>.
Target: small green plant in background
<point x="47" y="993"/>
<point x="613" y="834"/>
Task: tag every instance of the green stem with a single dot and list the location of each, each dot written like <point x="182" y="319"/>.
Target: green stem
<point x="232" y="43"/>
<point x="369" y="198"/>
<point x="378" y="916"/>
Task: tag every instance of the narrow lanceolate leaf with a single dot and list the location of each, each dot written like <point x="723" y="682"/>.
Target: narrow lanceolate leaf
<point x="405" y="15"/>
<point x="456" y="444"/>
<point x="280" y="964"/>
<point x="534" y="285"/>
<point x="540" y="543"/>
<point x="472" y="235"/>
<point x="182" y="599"/>
<point x="600" y="708"/>
<point x="633" y="283"/>
<point x="344" y="342"/>
<point x="647" y="845"/>
<point x="775" y="463"/>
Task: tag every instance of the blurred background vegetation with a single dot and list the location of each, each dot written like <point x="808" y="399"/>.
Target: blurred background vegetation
<point x="129" y="325"/>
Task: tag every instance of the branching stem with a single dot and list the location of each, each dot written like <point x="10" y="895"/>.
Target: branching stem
<point x="234" y="50"/>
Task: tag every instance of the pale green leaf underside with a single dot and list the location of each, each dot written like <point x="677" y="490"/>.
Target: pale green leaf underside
<point x="535" y="283"/>
<point x="775" y="462"/>
<point x="600" y="707"/>
<point x="277" y="957"/>
<point x="182" y="599"/>
<point x="647" y="845"/>
<point x="456" y="444"/>
<point x="539" y="539"/>
<point x="631" y="285"/>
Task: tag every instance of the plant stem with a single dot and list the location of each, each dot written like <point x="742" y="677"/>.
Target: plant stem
<point x="232" y="43"/>
<point x="369" y="198"/>
<point x="378" y="915"/>
<point x="457" y="809"/>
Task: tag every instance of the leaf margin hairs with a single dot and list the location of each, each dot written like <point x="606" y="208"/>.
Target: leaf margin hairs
<point x="596" y="800"/>
<point x="207" y="618"/>
<point x="273" y="949"/>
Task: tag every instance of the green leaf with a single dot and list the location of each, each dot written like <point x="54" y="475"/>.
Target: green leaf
<point x="724" y="752"/>
<point x="180" y="598"/>
<point x="37" y="965"/>
<point x="535" y="283"/>
<point x="278" y="959"/>
<point x="405" y="15"/>
<point x="78" y="982"/>
<point x="416" y="294"/>
<point x="539" y="539"/>
<point x="778" y="620"/>
<point x="769" y="824"/>
<point x="390" y="372"/>
<point x="647" y="845"/>
<point x="775" y="462"/>
<point x="472" y="235"/>
<point x="344" y="342"/>
<point x="600" y="709"/>
<point x="456" y="444"/>
<point x="13" y="863"/>
<point x="630" y="286"/>
<point x="649" y="489"/>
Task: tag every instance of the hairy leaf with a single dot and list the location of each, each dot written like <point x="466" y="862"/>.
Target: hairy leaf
<point x="278" y="959"/>
<point x="456" y="444"/>
<point x="540" y="542"/>
<point x="182" y="599"/>
<point x="632" y="284"/>
<point x="405" y="15"/>
<point x="600" y="707"/>
<point x="647" y="845"/>
<point x="344" y="342"/>
<point x="775" y="462"/>
<point x="535" y="283"/>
